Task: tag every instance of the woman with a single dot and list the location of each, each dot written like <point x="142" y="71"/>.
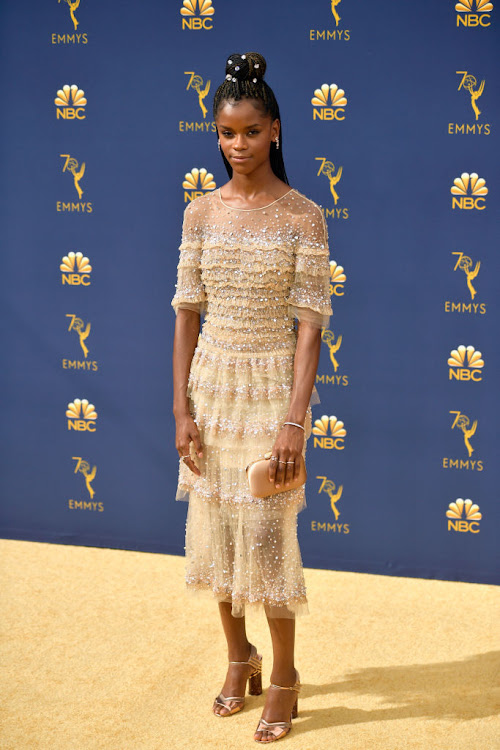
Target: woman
<point x="254" y="256"/>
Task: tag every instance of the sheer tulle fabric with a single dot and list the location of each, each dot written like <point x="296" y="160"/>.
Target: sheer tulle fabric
<point x="246" y="555"/>
<point x="250" y="273"/>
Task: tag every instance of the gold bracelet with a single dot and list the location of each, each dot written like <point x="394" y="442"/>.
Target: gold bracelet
<point x="294" y="424"/>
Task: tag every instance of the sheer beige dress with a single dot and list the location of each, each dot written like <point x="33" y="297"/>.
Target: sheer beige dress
<point x="250" y="273"/>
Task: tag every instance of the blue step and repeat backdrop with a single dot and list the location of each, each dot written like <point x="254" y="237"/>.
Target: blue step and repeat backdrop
<point x="391" y="117"/>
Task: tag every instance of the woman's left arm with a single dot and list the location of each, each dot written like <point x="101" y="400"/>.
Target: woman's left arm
<point x="290" y="441"/>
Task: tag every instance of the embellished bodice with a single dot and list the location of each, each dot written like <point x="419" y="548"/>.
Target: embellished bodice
<point x="251" y="271"/>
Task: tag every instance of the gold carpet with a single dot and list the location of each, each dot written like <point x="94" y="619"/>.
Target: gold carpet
<point x="105" y="650"/>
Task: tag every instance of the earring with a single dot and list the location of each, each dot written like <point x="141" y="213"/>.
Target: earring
<point x="277" y="140"/>
<point x="218" y="143"/>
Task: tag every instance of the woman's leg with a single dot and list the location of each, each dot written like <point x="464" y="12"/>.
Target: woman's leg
<point x="279" y="703"/>
<point x="238" y="649"/>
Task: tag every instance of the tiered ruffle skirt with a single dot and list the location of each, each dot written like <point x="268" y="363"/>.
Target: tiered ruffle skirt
<point x="239" y="548"/>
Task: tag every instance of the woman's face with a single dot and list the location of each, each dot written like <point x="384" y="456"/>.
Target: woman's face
<point x="246" y="135"/>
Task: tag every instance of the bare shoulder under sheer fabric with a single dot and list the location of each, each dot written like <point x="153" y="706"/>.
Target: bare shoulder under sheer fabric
<point x="249" y="273"/>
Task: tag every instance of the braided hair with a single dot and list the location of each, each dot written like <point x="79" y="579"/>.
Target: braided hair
<point x="245" y="80"/>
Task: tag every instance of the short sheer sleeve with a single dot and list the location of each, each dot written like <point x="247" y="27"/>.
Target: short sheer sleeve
<point x="309" y="299"/>
<point x="190" y="292"/>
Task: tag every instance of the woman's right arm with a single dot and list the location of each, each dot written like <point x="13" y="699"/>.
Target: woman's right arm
<point x="187" y="328"/>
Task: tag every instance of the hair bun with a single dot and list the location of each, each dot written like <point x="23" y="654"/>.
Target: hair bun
<point x="245" y="67"/>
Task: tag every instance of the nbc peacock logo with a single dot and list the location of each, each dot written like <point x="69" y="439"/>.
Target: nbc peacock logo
<point x="473" y="13"/>
<point x="329" y="432"/>
<point x="334" y="493"/>
<point x="465" y="364"/>
<point x="329" y="102"/>
<point x="196" y="183"/>
<point x="463" y="516"/>
<point x="70" y="103"/>
<point x="197" y="15"/>
<point x="75" y="269"/>
<point x="337" y="279"/>
<point x="82" y="416"/>
<point x="469" y="191"/>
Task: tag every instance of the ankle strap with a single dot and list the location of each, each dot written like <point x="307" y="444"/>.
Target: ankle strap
<point x="253" y="659"/>
<point x="295" y="687"/>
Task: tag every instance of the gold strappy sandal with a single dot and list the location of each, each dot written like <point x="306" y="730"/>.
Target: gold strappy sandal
<point x="280" y="729"/>
<point x="254" y="685"/>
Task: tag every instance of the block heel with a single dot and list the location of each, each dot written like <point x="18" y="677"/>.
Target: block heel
<point x="255" y="681"/>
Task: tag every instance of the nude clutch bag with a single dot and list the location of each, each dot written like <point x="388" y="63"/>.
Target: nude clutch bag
<point x="258" y="478"/>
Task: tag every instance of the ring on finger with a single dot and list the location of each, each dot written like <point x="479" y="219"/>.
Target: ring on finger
<point x="274" y="458"/>
<point x="186" y="456"/>
<point x="290" y="462"/>
<point x="282" y="462"/>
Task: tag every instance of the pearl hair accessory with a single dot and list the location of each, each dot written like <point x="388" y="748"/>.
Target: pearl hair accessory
<point x="254" y="80"/>
<point x="243" y="57"/>
<point x="229" y="62"/>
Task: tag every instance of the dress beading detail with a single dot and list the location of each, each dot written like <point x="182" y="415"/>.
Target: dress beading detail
<point x="250" y="274"/>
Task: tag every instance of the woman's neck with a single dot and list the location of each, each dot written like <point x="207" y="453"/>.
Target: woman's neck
<point x="253" y="186"/>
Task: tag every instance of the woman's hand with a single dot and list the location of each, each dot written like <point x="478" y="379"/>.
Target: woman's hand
<point x="286" y="455"/>
<point x="185" y="432"/>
